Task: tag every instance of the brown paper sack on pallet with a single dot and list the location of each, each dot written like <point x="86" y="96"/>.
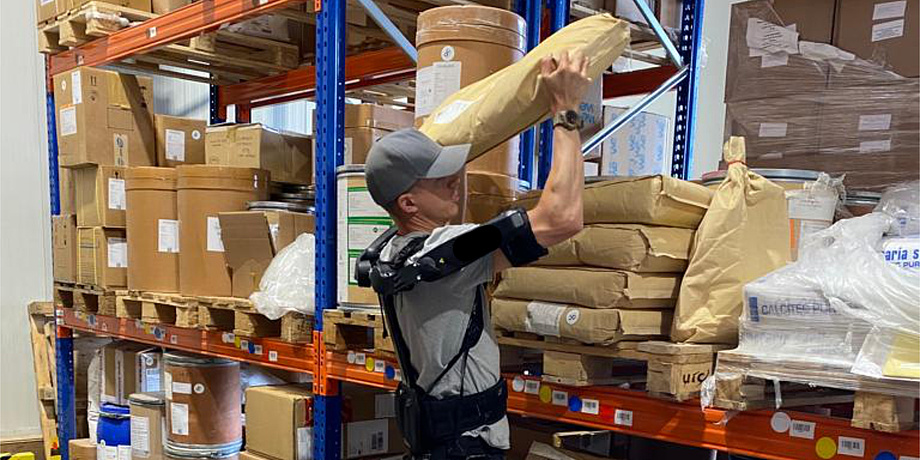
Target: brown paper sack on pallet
<point x="637" y="248"/>
<point x="742" y="237"/>
<point x="493" y="110"/>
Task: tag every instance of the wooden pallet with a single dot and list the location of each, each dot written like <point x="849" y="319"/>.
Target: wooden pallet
<point x="297" y="328"/>
<point x="157" y="308"/>
<point x="624" y="350"/>
<point x="85" y="298"/>
<point x="356" y="330"/>
<point x="574" y="369"/>
<point x="41" y="331"/>
<point x="90" y="21"/>
<point x="239" y="316"/>
<point x="884" y="412"/>
<point x="676" y="371"/>
<point x="739" y="393"/>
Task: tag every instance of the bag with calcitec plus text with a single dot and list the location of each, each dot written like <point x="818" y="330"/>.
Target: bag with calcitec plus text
<point x="743" y="236"/>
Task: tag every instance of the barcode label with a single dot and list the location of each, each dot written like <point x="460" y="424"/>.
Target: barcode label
<point x="560" y="398"/>
<point x="173" y="339"/>
<point x="360" y="359"/>
<point x="380" y="366"/>
<point x="272" y="355"/>
<point x="590" y="406"/>
<point x="532" y="387"/>
<point x="244" y="344"/>
<point x="623" y="417"/>
<point x="802" y="429"/>
<point x="258" y="349"/>
<point x="853" y="447"/>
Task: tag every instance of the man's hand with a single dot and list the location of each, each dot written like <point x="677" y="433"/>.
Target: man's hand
<point x="566" y="79"/>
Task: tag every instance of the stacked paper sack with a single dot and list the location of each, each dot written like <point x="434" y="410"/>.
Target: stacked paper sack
<point x="616" y="280"/>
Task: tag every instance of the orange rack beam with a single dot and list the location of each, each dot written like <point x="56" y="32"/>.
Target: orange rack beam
<point x="185" y="22"/>
<point x="263" y="351"/>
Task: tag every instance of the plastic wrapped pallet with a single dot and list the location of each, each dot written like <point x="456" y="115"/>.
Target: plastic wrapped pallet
<point x="590" y="287"/>
<point x="637" y="248"/>
<point x="600" y="327"/>
<point x="495" y="109"/>
<point x="743" y="236"/>
<point x="649" y="200"/>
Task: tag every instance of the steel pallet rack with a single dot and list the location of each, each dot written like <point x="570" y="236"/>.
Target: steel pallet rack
<point x="749" y="433"/>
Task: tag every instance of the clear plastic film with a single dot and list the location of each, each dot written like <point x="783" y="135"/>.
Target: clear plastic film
<point x="839" y="312"/>
<point x="902" y="203"/>
<point x="287" y="285"/>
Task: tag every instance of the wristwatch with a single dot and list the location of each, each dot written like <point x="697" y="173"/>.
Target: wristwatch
<point x="568" y="119"/>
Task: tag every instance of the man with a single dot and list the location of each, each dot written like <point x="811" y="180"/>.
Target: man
<point x="421" y="184"/>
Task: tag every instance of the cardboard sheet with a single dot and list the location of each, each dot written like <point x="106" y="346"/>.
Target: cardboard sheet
<point x="589" y="287"/>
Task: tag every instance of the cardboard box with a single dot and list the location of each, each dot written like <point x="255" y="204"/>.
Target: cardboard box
<point x="64" y="251"/>
<point x="180" y="140"/>
<point x="279" y="421"/>
<point x="636" y="248"/>
<point x="814" y="19"/>
<point x="880" y="30"/>
<point x="67" y="191"/>
<point x="101" y="198"/>
<point x="102" y="257"/>
<point x="667" y="11"/>
<point x="165" y="6"/>
<point x="874" y="172"/>
<point x="586" y="325"/>
<point x="590" y="287"/>
<point x="152" y="226"/>
<point x="142" y="5"/>
<point x="45" y="10"/>
<point x="129" y="368"/>
<point x="251" y="240"/>
<point x="82" y="449"/>
<point x="651" y="200"/>
<point x="104" y="118"/>
<point x="871" y="120"/>
<point x="776" y="127"/>
<point x="640" y="148"/>
<point x="358" y="143"/>
<point x="377" y="116"/>
<point x="287" y="156"/>
<point x="372" y="437"/>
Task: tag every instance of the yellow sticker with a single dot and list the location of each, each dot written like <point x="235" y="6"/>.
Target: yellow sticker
<point x="369" y="364"/>
<point x="236" y="342"/>
<point x="546" y="394"/>
<point x="826" y="448"/>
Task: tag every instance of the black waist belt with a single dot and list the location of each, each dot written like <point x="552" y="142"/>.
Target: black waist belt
<point x="443" y="419"/>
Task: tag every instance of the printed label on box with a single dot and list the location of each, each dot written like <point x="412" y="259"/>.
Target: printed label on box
<point x="175" y="145"/>
<point x="179" y="418"/>
<point x="385" y="405"/>
<point x="875" y="146"/>
<point x="887" y="30"/>
<point x="774" y="60"/>
<point x="76" y="87"/>
<point x="543" y="318"/>
<point x="68" y="120"/>
<point x="305" y="443"/>
<point x="368" y="437"/>
<point x="124" y="452"/>
<point x="140" y="442"/>
<point x="772" y="130"/>
<point x="889" y="10"/>
<point x="881" y="122"/>
<point x="117" y="193"/>
<point x="771" y="38"/>
<point x="215" y="243"/>
<point x="117" y="252"/>
<point x="181" y="388"/>
<point x="168" y="236"/>
<point x="104" y="452"/>
<point x="434" y="84"/>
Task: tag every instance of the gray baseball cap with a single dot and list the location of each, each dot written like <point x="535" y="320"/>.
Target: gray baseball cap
<point x="398" y="160"/>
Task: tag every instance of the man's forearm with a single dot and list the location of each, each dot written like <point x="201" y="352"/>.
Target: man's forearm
<point x="560" y="212"/>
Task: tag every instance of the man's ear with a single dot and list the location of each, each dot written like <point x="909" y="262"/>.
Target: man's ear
<point x="406" y="204"/>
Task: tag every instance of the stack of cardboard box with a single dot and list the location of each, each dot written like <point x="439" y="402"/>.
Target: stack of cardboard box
<point x="49" y="9"/>
<point x="828" y="85"/>
<point x="616" y="280"/>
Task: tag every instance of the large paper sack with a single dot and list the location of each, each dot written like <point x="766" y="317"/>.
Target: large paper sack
<point x="743" y="236"/>
<point x="497" y="108"/>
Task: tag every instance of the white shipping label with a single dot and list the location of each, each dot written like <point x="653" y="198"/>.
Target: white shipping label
<point x="450" y="113"/>
<point x="76" y="87"/>
<point x="181" y="388"/>
<point x="774" y="60"/>
<point x="590" y="406"/>
<point x="532" y="387"/>
<point x="875" y="146"/>
<point x="771" y="38"/>
<point x="802" y="429"/>
<point x="881" y="122"/>
<point x="349" y="149"/>
<point x="117" y="194"/>
<point x="168" y="236"/>
<point x="104" y="452"/>
<point x="543" y="318"/>
<point x="68" y="121"/>
<point x="560" y="398"/>
<point x="152" y="380"/>
<point x="341" y="254"/>
<point x="772" y="130"/>
<point x="812" y="206"/>
<point x="175" y="145"/>
<point x="385" y="405"/>
<point x="305" y="443"/>
<point x="178" y="414"/>
<point x="367" y="438"/>
<point x="124" y="452"/>
<point x="117" y="252"/>
<point x="434" y="84"/>
<point x="854" y="447"/>
<point x="140" y="440"/>
<point x="889" y="10"/>
<point x="623" y="417"/>
<point x="887" y="30"/>
<point x="215" y="243"/>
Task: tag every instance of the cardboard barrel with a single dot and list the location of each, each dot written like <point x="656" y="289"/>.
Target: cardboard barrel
<point x="152" y="223"/>
<point x="203" y="416"/>
<point x="148" y="419"/>
<point x="203" y="192"/>
<point x="458" y="46"/>
<point x="360" y="222"/>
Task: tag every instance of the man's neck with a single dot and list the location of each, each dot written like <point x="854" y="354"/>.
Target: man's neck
<point x="418" y="224"/>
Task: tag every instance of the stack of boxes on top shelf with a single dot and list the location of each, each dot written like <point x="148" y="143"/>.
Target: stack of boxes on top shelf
<point x="614" y="283"/>
<point x="828" y="86"/>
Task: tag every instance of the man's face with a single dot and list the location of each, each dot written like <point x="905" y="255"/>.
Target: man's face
<point x="440" y="199"/>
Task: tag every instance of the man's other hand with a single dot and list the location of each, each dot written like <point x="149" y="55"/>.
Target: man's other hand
<point x="566" y="79"/>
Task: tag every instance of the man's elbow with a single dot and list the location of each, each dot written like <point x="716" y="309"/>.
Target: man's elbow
<point x="567" y="223"/>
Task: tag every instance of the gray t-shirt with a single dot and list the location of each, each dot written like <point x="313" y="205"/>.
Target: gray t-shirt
<point x="433" y="317"/>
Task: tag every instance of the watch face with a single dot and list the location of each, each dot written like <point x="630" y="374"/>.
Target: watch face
<point x="571" y="116"/>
